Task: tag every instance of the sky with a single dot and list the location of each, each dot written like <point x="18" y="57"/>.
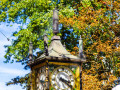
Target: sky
<point x="9" y="71"/>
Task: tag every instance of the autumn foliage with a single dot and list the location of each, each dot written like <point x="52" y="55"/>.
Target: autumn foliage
<point x="98" y="23"/>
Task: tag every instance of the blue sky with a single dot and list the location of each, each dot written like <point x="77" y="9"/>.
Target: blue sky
<point x="9" y="71"/>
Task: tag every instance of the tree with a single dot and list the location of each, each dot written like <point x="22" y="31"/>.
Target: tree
<point x="96" y="20"/>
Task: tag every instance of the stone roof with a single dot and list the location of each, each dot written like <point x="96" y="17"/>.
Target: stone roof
<point x="58" y="52"/>
<point x="56" y="49"/>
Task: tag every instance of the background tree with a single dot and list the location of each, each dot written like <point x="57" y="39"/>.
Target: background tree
<point x="96" y="20"/>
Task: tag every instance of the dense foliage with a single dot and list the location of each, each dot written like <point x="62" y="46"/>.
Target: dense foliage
<point x="96" y="20"/>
